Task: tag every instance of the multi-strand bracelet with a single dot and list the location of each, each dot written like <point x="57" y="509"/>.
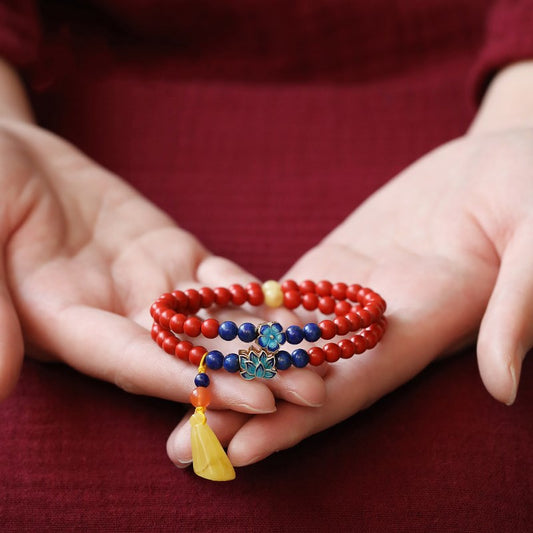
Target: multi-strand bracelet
<point x="358" y="314"/>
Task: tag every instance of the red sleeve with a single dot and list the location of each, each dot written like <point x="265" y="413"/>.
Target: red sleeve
<point x="508" y="38"/>
<point x="19" y="31"/>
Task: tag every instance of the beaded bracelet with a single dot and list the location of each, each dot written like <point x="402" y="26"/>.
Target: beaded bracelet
<point x="357" y="309"/>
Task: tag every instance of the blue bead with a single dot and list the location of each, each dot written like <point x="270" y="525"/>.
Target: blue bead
<point x="295" y="334"/>
<point x="214" y="360"/>
<point x="228" y="330"/>
<point x="312" y="332"/>
<point x="247" y="332"/>
<point x="283" y="360"/>
<point x="202" y="380"/>
<point x="231" y="362"/>
<point x="299" y="358"/>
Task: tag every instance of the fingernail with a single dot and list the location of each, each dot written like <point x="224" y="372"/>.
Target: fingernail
<point x="182" y="464"/>
<point x="514" y="390"/>
<point x="305" y="401"/>
<point x="246" y="408"/>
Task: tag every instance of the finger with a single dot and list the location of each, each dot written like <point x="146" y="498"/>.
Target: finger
<point x="506" y="332"/>
<point x="116" y="349"/>
<point x="11" y="343"/>
<point x="224" y="423"/>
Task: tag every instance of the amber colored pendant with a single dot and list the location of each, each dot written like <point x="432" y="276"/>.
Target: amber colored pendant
<point x="209" y="459"/>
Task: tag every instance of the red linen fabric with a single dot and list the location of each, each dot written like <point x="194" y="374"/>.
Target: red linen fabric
<point x="259" y="126"/>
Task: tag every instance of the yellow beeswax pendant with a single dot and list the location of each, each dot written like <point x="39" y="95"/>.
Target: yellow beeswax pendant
<point x="209" y="459"/>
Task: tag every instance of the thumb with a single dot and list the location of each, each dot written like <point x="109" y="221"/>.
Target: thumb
<point x="11" y="341"/>
<point x="506" y="332"/>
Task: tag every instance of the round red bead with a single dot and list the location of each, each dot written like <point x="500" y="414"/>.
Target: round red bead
<point x="209" y="328"/>
<point x="326" y="305"/>
<point x="359" y="344"/>
<point x="365" y="317"/>
<point x="207" y="297"/>
<point x="181" y="299"/>
<point x="291" y="299"/>
<point x="194" y="300"/>
<point x="255" y="293"/>
<point x="165" y="316"/>
<point x="222" y="296"/>
<point x="351" y="292"/>
<point x="347" y="348"/>
<point x="307" y="286"/>
<point x="192" y="326"/>
<point x="310" y="301"/>
<point x="316" y="356"/>
<point x="161" y="336"/>
<point x="238" y="295"/>
<point x="328" y="329"/>
<point x="289" y="285"/>
<point x="323" y="288"/>
<point x="182" y="350"/>
<point x="156" y="328"/>
<point x="343" y="307"/>
<point x="355" y="319"/>
<point x="338" y="291"/>
<point x="169" y="344"/>
<point x="196" y="353"/>
<point x="332" y="351"/>
<point x="373" y="310"/>
<point x="370" y="338"/>
<point x="176" y="322"/>
<point x="343" y="325"/>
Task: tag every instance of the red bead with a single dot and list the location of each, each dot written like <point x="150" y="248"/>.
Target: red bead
<point x="362" y="295"/>
<point x="255" y="293"/>
<point x="326" y="305"/>
<point x="169" y="344"/>
<point x="310" y="301"/>
<point x="209" y="328"/>
<point x="338" y="291"/>
<point x="370" y="337"/>
<point x="165" y="316"/>
<point x="289" y="285"/>
<point x="343" y="307"/>
<point x="343" y="325"/>
<point x="316" y="356"/>
<point x="182" y="350"/>
<point x="192" y="326"/>
<point x="351" y="292"/>
<point x="347" y="348"/>
<point x="332" y="351"/>
<point x="292" y="299"/>
<point x="161" y="336"/>
<point x="365" y="317"/>
<point x="207" y="297"/>
<point x="323" y="288"/>
<point x="374" y="311"/>
<point x="196" y="354"/>
<point x="328" y="329"/>
<point x="200" y="397"/>
<point x="307" y="286"/>
<point x="176" y="322"/>
<point x="181" y="299"/>
<point x="156" y="328"/>
<point x="359" y="343"/>
<point x="238" y="295"/>
<point x="156" y="311"/>
<point x="222" y="296"/>
<point x="194" y="300"/>
<point x="356" y="321"/>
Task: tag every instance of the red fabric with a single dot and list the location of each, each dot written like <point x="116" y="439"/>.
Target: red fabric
<point x="278" y="118"/>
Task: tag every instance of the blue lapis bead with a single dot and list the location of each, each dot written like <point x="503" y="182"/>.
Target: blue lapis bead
<point x="214" y="360"/>
<point x="312" y="332"/>
<point x="283" y="360"/>
<point x="299" y="358"/>
<point x="247" y="332"/>
<point x="228" y="330"/>
<point x="294" y="334"/>
<point x="231" y="362"/>
<point x="202" y="380"/>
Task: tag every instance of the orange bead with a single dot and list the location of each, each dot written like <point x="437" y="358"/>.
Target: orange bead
<point x="200" y="397"/>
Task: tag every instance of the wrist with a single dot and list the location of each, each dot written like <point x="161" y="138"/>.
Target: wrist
<point x="508" y="102"/>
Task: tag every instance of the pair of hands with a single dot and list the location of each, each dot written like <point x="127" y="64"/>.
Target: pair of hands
<point x="448" y="243"/>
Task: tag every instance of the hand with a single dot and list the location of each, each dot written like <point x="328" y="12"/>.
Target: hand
<point x="84" y="256"/>
<point x="448" y="244"/>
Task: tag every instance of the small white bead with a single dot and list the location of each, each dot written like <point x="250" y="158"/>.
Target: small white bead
<point x="273" y="293"/>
